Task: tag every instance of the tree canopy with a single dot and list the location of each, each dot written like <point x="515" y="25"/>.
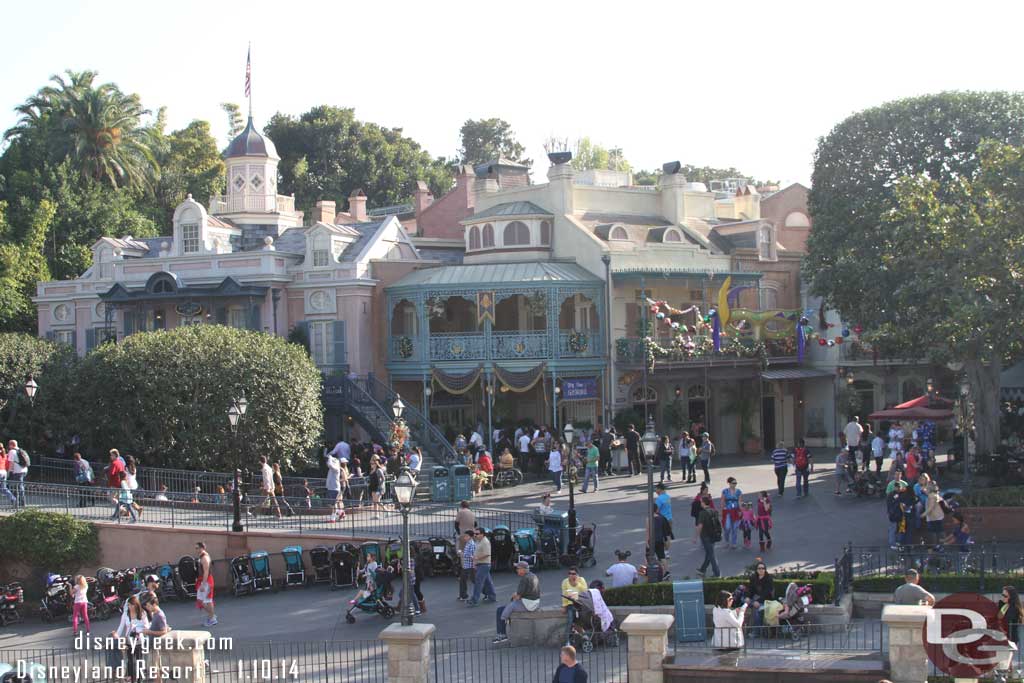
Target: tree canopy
<point x="187" y="377"/>
<point x="488" y="139"/>
<point x="52" y="365"/>
<point x="917" y="232"/>
<point x="592" y="155"/>
<point x="326" y="153"/>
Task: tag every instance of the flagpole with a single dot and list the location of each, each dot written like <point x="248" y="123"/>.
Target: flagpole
<point x="248" y="76"/>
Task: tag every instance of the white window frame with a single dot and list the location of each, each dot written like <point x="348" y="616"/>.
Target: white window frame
<point x="624" y="234"/>
<point x="191" y="244"/>
<point x="321" y="251"/>
<point x="321" y="342"/>
<point x="63" y="336"/>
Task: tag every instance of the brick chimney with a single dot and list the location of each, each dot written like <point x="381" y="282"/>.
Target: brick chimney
<point x="357" y="205"/>
<point x="422" y="198"/>
<point x="324" y="212"/>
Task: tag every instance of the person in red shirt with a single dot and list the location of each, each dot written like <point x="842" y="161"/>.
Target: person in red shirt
<point x="913" y="464"/>
<point x="114" y="469"/>
<point x="3" y="477"/>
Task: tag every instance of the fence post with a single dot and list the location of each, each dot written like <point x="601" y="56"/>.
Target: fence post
<point x="408" y="652"/>
<point x="647" y="645"/>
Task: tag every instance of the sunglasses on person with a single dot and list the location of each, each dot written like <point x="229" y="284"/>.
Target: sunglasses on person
<point x="762" y="569"/>
<point x="575" y="574"/>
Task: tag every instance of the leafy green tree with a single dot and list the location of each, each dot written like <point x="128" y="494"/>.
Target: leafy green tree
<point x="164" y="396"/>
<point x="235" y="121"/>
<point x="327" y="153"/>
<point x="698" y="174"/>
<point x="97" y="127"/>
<point x="592" y="155"/>
<point x="52" y="366"/>
<point x="22" y="265"/>
<point x="190" y="164"/>
<point x="917" y="233"/>
<point x="487" y="139"/>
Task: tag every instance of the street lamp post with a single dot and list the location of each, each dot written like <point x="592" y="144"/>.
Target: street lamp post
<point x="965" y="392"/>
<point x="650" y="444"/>
<point x="236" y="413"/>
<point x="30" y="390"/>
<point x="570" y="433"/>
<point x="405" y="491"/>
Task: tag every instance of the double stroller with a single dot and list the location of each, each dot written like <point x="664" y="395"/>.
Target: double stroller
<point x="589" y="628"/>
<point x="251" y="573"/>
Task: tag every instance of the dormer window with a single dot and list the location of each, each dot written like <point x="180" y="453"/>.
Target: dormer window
<point x="190" y="242"/>
<point x="672" y="236"/>
<point x="516" y="234"/>
<point x="321" y="251"/>
<point x="474" y="238"/>
<point x="619" y="233"/>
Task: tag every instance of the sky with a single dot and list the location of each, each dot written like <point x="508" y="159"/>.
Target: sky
<point x="738" y="84"/>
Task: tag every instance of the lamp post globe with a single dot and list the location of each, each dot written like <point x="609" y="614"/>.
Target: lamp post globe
<point x="31" y="388"/>
<point x="569" y="432"/>
<point x="405" y="492"/>
<point x="242" y="404"/>
<point x="398" y="407"/>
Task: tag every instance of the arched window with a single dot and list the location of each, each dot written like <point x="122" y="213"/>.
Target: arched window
<point x="672" y="236"/>
<point x="638" y="395"/>
<point x="619" y="233"/>
<point x="488" y="236"/>
<point x="474" y="238"/>
<point x="696" y="391"/>
<point x="797" y="219"/>
<point x="517" y="234"/>
<point x="545" y="233"/>
<point x="163" y="285"/>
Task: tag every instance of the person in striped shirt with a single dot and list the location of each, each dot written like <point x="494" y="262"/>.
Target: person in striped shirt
<point x="780" y="461"/>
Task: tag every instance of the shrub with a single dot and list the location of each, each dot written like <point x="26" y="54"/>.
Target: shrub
<point x="1000" y="496"/>
<point x="48" y="542"/>
<point x="822" y="588"/>
<point x="938" y="583"/>
<point x="51" y="365"/>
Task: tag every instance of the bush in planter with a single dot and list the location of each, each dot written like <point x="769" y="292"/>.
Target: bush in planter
<point x="938" y="583"/>
<point x="46" y="542"/>
<point x="646" y="594"/>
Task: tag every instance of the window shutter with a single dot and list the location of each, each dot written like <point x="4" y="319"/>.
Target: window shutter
<point x="340" y="352"/>
<point x="90" y="340"/>
<point x="74" y="340"/>
<point x="254" y="319"/>
<point x="221" y="315"/>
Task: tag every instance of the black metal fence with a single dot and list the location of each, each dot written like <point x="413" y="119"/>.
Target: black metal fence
<point x="468" y="660"/>
<point x="854" y="637"/>
<point x="843" y="573"/>
<point x="987" y="558"/>
<point x="95" y="503"/>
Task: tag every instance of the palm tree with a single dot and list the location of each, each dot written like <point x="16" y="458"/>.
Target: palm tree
<point x="97" y="127"/>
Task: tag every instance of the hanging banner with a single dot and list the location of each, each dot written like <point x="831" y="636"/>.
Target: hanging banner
<point x="578" y="389"/>
<point x="485" y="306"/>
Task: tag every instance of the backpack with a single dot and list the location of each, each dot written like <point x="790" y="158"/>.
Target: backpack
<point x="23" y="458"/>
<point x="714" y="524"/>
<point x="893" y="505"/>
<point x="801" y="458"/>
<point x="85" y="476"/>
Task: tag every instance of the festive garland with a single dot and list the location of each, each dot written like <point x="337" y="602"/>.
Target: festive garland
<point x="578" y="342"/>
<point x="399" y="435"/>
<point x="405" y="347"/>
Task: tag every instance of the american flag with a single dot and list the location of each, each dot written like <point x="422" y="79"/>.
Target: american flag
<point x="248" y="72"/>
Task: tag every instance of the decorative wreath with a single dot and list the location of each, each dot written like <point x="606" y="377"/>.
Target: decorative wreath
<point x="405" y="348"/>
<point x="578" y="342"/>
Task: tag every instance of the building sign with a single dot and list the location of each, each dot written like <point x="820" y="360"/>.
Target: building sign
<point x="188" y="309"/>
<point x="578" y="389"/>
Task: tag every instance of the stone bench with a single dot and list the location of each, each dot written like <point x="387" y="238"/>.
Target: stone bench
<point x="544" y="627"/>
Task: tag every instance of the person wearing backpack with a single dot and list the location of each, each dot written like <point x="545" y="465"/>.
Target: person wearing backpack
<point x="802" y="465"/>
<point x="709" y="530"/>
<point x="83" y="477"/>
<point x="3" y="478"/>
<point x="18" y="463"/>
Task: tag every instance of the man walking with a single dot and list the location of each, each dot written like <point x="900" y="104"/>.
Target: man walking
<point x="465" y="520"/>
<point x="633" y="450"/>
<point x="780" y="461"/>
<point x="878" y="452"/>
<point x="204" y="586"/>
<point x="604" y="440"/>
<point x="853" y="432"/>
<point x="17" y="469"/>
<point x="590" y="471"/>
<point x="3" y="478"/>
<point x="482" y="582"/>
<point x="709" y="531"/>
<point x="468" y="573"/>
<point x="802" y="468"/>
<point x="569" y="670"/>
<point x="664" y="504"/>
<point x="525" y="599"/>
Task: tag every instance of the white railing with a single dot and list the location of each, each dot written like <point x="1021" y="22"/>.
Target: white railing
<point x="252" y="202"/>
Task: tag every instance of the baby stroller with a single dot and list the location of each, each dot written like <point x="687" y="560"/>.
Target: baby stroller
<point x="56" y="600"/>
<point x="259" y="560"/>
<point x="423" y="555"/>
<point x="188" y="574"/>
<point x="344" y="563"/>
<point x="12" y="597"/>
<point x="581" y="553"/>
<point x="588" y="629"/>
<point x="445" y="557"/>
<point x="375" y="596"/>
<point x="320" y="558"/>
<point x="167" y="581"/>
<point x="241" y="576"/>
<point x="526" y="546"/>
<point x="294" y="567"/>
<point x="108" y="582"/>
<point x="550" y="552"/>
<point x="503" y="548"/>
<point x="369" y="547"/>
<point x="793" y="616"/>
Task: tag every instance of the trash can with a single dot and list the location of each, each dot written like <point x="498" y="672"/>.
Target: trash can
<point x="557" y="522"/>
<point x="688" y="598"/>
<point x="440" y="485"/>
<point x="461" y="483"/>
<point x="620" y="460"/>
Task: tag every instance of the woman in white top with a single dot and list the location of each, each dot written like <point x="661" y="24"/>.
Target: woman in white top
<point x="555" y="468"/>
<point x="130" y="476"/>
<point x="728" y="623"/>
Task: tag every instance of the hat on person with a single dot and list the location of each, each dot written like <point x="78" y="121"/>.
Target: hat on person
<point x="521" y="565"/>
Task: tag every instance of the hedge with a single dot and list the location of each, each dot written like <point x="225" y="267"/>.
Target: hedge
<point x="44" y="542"/>
<point x="939" y="583"/>
<point x="822" y="588"/>
<point x="997" y="497"/>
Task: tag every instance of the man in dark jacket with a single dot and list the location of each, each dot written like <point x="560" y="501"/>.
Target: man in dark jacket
<point x="569" y="670"/>
<point x="633" y="450"/>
